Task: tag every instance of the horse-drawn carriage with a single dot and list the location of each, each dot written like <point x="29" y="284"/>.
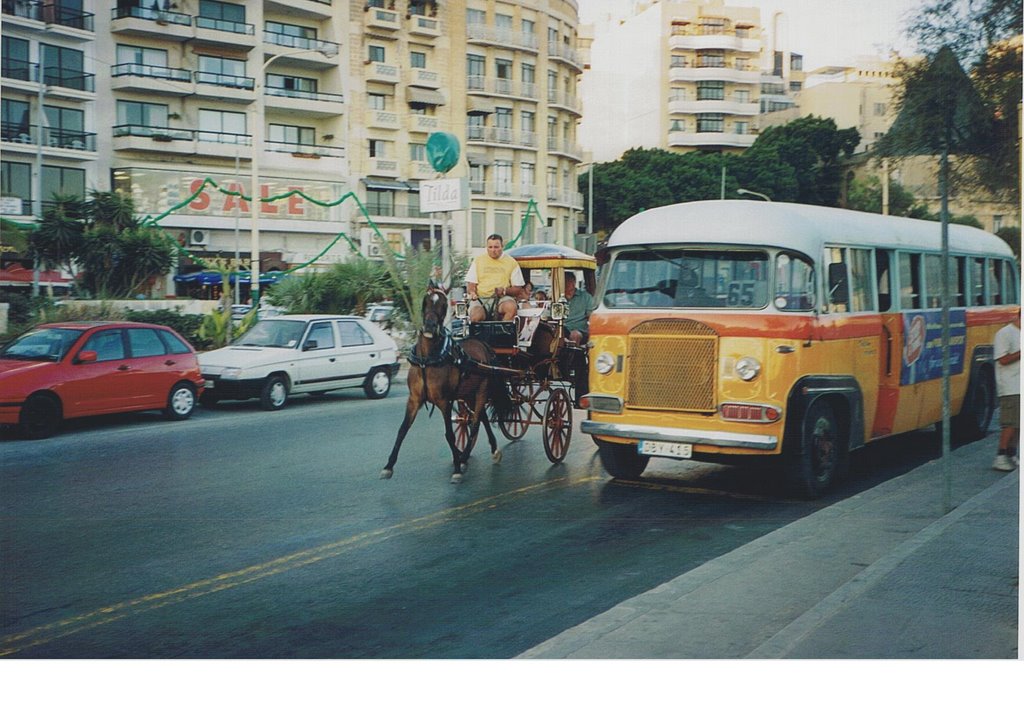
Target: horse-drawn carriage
<point x="519" y="373"/>
<point x="545" y="375"/>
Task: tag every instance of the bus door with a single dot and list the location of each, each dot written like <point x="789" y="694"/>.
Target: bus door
<point x="855" y="326"/>
<point x="891" y="346"/>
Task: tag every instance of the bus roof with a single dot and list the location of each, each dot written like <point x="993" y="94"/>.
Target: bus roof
<point x="801" y="227"/>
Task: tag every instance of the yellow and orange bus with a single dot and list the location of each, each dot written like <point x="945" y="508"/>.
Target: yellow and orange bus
<point x="728" y="329"/>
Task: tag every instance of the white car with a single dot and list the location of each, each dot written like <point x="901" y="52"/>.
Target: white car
<point x="301" y="354"/>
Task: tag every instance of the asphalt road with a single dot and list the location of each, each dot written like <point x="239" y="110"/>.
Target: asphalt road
<point x="242" y="533"/>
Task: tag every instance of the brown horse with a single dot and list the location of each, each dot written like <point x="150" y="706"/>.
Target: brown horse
<point x="441" y="370"/>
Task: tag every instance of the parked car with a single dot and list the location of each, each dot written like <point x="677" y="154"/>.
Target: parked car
<point x="381" y="313"/>
<point x="58" y="371"/>
<point x="290" y="354"/>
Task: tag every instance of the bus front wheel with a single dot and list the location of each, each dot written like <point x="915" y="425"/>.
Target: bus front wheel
<point x="622" y="461"/>
<point x="821" y="463"/>
<point x="975" y="415"/>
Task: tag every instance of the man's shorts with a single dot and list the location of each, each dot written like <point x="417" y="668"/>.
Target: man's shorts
<point x="1009" y="411"/>
<point x="489" y="305"/>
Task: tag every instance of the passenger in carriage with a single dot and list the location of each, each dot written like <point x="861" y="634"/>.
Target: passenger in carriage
<point x="577" y="316"/>
<point x="494" y="283"/>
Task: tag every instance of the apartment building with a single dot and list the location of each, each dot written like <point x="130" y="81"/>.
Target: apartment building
<point x="48" y="143"/>
<point x="681" y="76"/>
<point x="176" y="100"/>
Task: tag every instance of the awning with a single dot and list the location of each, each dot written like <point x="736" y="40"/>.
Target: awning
<point x="386" y="184"/>
<point x="478" y="160"/>
<point x="205" y="277"/>
<point x="17" y="275"/>
<point x="424" y="96"/>
<point x="479" y="106"/>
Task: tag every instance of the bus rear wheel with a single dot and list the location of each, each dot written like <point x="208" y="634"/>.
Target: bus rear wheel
<point x="822" y="460"/>
<point x="975" y="416"/>
<point x="622" y="461"/>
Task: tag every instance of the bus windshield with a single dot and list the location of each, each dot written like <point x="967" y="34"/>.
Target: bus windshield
<point x="682" y="278"/>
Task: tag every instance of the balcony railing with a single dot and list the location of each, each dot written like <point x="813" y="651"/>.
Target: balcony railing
<point x="382" y="209"/>
<point x="56" y="14"/>
<point x="501" y="86"/>
<point x="565" y="52"/>
<point x="225" y="26"/>
<point x="298" y="42"/>
<point x="56" y="138"/>
<point x="501" y="36"/>
<point x="147" y="71"/>
<point x="160" y="16"/>
<point x="158" y="133"/>
<point x="20" y="70"/>
<point x="307" y="95"/>
<point x="227" y="81"/>
<point x="23" y="9"/>
<point x="304" y="150"/>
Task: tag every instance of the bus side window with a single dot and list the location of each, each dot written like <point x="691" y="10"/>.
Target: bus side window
<point x="883" y="280"/>
<point x="858" y="263"/>
<point x="910" y="280"/>
<point x="958" y="284"/>
<point x="977" y="284"/>
<point x="995" y="293"/>
<point x="837" y="280"/>
<point x="1012" y="296"/>
<point x="933" y="280"/>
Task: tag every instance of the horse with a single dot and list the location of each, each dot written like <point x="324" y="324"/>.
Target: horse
<point x="441" y="370"/>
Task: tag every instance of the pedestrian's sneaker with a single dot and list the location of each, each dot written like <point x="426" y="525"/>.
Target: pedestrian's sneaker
<point x="1003" y="463"/>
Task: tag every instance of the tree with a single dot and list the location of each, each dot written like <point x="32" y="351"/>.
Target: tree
<point x="118" y="257"/>
<point x="984" y="35"/>
<point x="866" y="196"/>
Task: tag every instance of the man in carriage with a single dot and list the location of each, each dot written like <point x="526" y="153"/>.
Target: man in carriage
<point x="494" y="283"/>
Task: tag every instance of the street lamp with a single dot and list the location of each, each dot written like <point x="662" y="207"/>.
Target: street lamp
<point x="753" y="194"/>
<point x="255" y="195"/>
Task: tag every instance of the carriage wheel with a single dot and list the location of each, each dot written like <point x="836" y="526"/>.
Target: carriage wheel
<point x="557" y="425"/>
<point x="461" y="414"/>
<point x="514" y="424"/>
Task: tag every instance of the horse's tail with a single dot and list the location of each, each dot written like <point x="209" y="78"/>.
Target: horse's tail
<point x="497" y="389"/>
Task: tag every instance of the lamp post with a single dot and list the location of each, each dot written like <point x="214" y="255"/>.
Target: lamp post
<point x="753" y="194"/>
<point x="255" y="194"/>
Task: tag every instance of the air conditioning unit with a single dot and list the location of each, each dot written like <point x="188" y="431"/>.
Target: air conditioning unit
<point x="373" y="249"/>
<point x="198" y="237"/>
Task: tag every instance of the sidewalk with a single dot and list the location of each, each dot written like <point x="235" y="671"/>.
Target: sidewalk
<point x="883" y="574"/>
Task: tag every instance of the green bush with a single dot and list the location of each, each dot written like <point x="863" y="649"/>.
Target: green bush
<point x="20" y="310"/>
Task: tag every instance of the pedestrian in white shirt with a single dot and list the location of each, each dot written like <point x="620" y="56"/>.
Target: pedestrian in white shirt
<point x="1006" y="352"/>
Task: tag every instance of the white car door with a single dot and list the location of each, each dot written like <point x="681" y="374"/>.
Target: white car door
<point x="319" y="367"/>
<point x="358" y="351"/>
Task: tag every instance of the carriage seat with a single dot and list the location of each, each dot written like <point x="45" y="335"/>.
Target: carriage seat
<point x="499" y="334"/>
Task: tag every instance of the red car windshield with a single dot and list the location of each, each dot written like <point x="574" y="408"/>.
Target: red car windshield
<point x="42" y="344"/>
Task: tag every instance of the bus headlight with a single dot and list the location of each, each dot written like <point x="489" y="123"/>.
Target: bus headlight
<point x="605" y="363"/>
<point x="747" y="368"/>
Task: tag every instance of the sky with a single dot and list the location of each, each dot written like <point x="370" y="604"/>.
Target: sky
<point x="826" y="32"/>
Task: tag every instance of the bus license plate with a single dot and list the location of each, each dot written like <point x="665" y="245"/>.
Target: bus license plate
<point x="666" y="448"/>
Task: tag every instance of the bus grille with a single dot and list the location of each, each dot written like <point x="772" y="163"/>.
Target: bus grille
<point x="673" y="366"/>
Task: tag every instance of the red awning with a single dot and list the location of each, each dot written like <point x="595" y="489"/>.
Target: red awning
<point x="15" y="274"/>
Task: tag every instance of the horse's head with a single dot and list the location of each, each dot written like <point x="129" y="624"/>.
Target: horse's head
<point x="435" y="309"/>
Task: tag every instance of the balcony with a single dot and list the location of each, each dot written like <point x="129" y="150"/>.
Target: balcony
<point x="151" y="23"/>
<point x="282" y="42"/>
<point x="305" y="151"/>
<point x="421" y="170"/>
<point x="565" y="198"/>
<point x="312" y="9"/>
<point x="501" y="87"/>
<point x="233" y="89"/>
<point x="425" y="124"/>
<point x="691" y="74"/>
<point x="491" y="135"/>
<point x="383" y="167"/>
<point x="151" y="79"/>
<point x="728" y="107"/>
<point x="382" y="19"/>
<point x="720" y="41"/>
<point x="73" y="85"/>
<point x="82" y="143"/>
<point x="308" y="103"/>
<point x="567" y="54"/>
<point x="192" y="142"/>
<point x="381" y="72"/>
<point x="423" y="78"/>
<point x="565" y="101"/>
<point x="424" y="26"/>
<point x="379" y="119"/>
<point x="225" y="33"/>
<point x="565" y="148"/>
<point x="486" y="35"/>
<point x="710" y="139"/>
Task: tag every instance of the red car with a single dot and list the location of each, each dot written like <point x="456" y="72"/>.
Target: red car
<point x="68" y="370"/>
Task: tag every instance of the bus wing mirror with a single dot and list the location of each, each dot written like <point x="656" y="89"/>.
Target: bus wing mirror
<point x="838" y="284"/>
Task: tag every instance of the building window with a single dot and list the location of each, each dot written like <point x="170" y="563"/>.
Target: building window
<point x="706" y="59"/>
<point x="529" y="29"/>
<point x="380" y="202"/>
<point x="228" y="72"/>
<point x="418" y="152"/>
<point x="742" y="127"/>
<point x="417" y="59"/>
<point x="290" y="136"/>
<point x="475" y="71"/>
<point x="796" y="62"/>
<point x="552" y="39"/>
<point x="710" y="90"/>
<point x="280" y="30"/>
<point x="479" y="224"/>
<point x="503" y="22"/>
<point x="15" y="58"/>
<point x="552" y="86"/>
<point x="503" y="73"/>
<point x="63" y="181"/>
<point x="376" y="53"/>
<point x="475" y="128"/>
<point x="378" y="149"/>
<point x="997" y="222"/>
<point x="742" y="96"/>
<point x="65" y="119"/>
<point x="16" y="181"/>
<point x="376" y="101"/>
<point x="527" y="176"/>
<point x="225" y="127"/>
<point x="65" y="67"/>
<point x="475" y="17"/>
<point x="503" y="178"/>
<point x="138" y="55"/>
<point x="528" y="122"/>
<point x="136" y="113"/>
<point x="880" y="109"/>
<point x="795" y="86"/>
<point x="14" y="117"/>
<point x="503" y="224"/>
<point x="712" y="26"/>
<point x="228" y="13"/>
<point x="710" y="123"/>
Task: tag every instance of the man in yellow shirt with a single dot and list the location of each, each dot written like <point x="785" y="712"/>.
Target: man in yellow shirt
<point x="494" y="276"/>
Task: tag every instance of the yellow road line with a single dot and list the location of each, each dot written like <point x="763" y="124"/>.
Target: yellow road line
<point x="658" y="487"/>
<point x="42" y="634"/>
